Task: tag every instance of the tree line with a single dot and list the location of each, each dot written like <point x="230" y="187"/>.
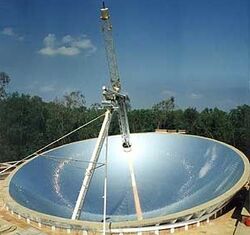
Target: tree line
<point x="28" y="123"/>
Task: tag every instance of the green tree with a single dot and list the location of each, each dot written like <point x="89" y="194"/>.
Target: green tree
<point x="215" y="123"/>
<point x="162" y="112"/>
<point x="142" y="120"/>
<point x="4" y="81"/>
<point x="28" y="123"/>
<point x="75" y="99"/>
<point x="190" y="116"/>
<point x="22" y="126"/>
<point x="178" y="119"/>
<point x="240" y="119"/>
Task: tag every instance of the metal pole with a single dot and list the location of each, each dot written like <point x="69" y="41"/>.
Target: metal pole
<point x="105" y="188"/>
<point x="92" y="165"/>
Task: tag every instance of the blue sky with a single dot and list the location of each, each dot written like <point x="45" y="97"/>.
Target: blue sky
<point x="194" y="50"/>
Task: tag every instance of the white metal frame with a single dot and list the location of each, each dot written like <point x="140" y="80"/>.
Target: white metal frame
<point x="92" y="165"/>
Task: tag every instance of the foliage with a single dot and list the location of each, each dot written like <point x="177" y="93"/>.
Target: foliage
<point x="74" y="99"/>
<point x="240" y="120"/>
<point x="162" y="112"/>
<point x="28" y="123"/>
<point x="4" y="81"/>
<point x="22" y="124"/>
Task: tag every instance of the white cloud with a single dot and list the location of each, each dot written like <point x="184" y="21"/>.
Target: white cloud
<point x="67" y="39"/>
<point x="47" y="51"/>
<point x="68" y="51"/>
<point x="8" y="31"/>
<point x="83" y="43"/>
<point x="68" y="45"/>
<point x="195" y="95"/>
<point x="47" y="88"/>
<point x="49" y="41"/>
<point x="20" y="38"/>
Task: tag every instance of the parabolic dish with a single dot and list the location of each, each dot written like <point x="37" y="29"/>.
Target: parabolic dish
<point x="178" y="177"/>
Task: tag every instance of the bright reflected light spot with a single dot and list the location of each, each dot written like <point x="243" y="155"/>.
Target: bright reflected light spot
<point x="57" y="183"/>
<point x="131" y="154"/>
<point x="127" y="149"/>
<point x="211" y="155"/>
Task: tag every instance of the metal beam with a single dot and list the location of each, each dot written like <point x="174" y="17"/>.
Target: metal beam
<point x="92" y="165"/>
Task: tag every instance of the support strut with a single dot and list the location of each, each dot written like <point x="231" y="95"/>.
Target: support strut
<point x="92" y="165"/>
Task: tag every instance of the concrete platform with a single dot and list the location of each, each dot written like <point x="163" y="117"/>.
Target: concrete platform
<point x="226" y="224"/>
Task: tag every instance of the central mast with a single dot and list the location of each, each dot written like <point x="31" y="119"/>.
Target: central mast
<point x="113" y="96"/>
<point x="113" y="101"/>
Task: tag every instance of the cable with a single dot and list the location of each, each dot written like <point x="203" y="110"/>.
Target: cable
<point x="36" y="153"/>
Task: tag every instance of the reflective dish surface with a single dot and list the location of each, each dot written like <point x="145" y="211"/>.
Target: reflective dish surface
<point x="173" y="173"/>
